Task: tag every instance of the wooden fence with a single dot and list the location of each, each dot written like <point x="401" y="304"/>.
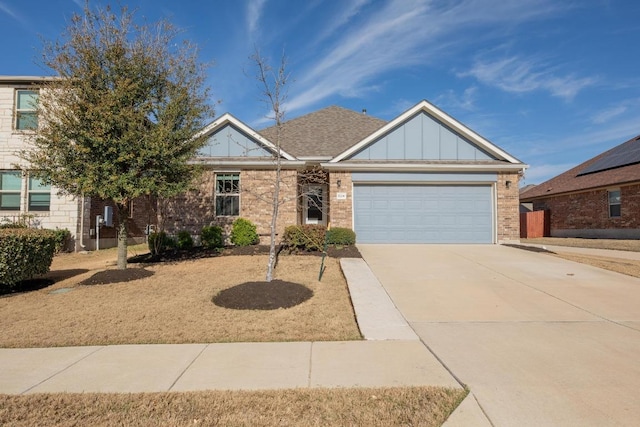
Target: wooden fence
<point x="535" y="224"/>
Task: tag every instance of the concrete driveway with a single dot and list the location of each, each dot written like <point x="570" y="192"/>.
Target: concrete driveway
<point x="540" y="341"/>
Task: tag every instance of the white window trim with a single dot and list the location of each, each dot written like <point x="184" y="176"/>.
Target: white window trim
<point x="216" y="194"/>
<point x="19" y="192"/>
<point x="609" y="204"/>
<point x="29" y="192"/>
<point x="17" y="111"/>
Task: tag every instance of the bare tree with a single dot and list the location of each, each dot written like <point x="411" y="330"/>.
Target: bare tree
<point x="274" y="94"/>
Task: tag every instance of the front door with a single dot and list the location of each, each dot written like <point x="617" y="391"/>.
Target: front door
<point x="315" y="209"/>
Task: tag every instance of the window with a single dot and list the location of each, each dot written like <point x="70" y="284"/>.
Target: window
<point x="614" y="204"/>
<point x="10" y="188"/>
<point x="26" y="115"/>
<point x="39" y="195"/>
<point x="227" y="194"/>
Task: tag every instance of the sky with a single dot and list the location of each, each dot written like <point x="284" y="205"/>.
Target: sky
<point x="552" y="82"/>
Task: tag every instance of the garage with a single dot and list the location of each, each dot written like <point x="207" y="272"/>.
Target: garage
<point x="423" y="213"/>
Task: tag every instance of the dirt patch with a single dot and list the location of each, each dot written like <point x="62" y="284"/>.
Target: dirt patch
<point x="263" y="295"/>
<point x="116" y="276"/>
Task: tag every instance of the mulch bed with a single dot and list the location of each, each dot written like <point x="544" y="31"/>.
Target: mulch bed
<point x="263" y="295"/>
<point x="116" y="276"/>
<point x="175" y="255"/>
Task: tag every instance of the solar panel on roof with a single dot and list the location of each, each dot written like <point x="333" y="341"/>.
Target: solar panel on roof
<point x="623" y="155"/>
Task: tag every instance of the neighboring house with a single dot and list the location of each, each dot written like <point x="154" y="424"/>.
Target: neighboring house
<point x="599" y="198"/>
<point x="423" y="177"/>
<point x="25" y="198"/>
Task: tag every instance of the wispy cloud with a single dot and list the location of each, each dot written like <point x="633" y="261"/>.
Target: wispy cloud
<point x="254" y="12"/>
<point x="608" y="114"/>
<point x="349" y="10"/>
<point x="520" y="75"/>
<point x="403" y="34"/>
<point x="13" y="15"/>
<point x="450" y="100"/>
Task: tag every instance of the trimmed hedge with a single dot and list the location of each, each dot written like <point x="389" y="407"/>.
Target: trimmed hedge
<point x="341" y="236"/>
<point x="211" y="237"/>
<point x="24" y="254"/>
<point x="243" y="233"/>
<point x="304" y="237"/>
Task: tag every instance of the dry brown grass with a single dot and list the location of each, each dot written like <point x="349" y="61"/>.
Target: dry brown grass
<point x="174" y="305"/>
<point x="616" y="244"/>
<point x="415" y="406"/>
<point x="629" y="267"/>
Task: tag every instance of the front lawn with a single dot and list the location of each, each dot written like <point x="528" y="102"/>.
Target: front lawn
<point x="399" y="406"/>
<point x="174" y="305"/>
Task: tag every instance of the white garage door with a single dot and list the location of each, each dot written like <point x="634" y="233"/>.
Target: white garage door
<point x="423" y="213"/>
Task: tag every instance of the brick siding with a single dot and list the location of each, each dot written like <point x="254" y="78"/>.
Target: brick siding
<point x="589" y="210"/>
<point x="196" y="208"/>
<point x="340" y="211"/>
<point x="508" y="204"/>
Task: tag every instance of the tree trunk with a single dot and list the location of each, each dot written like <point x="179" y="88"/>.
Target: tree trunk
<point x="274" y="220"/>
<point x="123" y="219"/>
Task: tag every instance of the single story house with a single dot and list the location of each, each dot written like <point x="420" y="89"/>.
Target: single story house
<point x="422" y="177"/>
<point x="599" y="198"/>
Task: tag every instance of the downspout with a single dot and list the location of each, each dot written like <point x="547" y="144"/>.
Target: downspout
<point x="82" y="245"/>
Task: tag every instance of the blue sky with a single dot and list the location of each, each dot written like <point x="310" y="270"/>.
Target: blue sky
<point x="552" y="82"/>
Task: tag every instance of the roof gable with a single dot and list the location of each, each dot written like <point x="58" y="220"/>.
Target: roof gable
<point x="422" y="137"/>
<point x="404" y="138"/>
<point x="229" y="137"/>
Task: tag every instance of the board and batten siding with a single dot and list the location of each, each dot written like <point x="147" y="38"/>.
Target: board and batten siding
<point x="422" y="138"/>
<point x="231" y="142"/>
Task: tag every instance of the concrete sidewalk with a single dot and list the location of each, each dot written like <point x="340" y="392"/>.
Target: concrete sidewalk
<point x="231" y="366"/>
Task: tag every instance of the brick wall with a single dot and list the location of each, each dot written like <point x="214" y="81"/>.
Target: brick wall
<point x="196" y="208"/>
<point x="144" y="212"/>
<point x="341" y="211"/>
<point x="586" y="214"/>
<point x="256" y="203"/>
<point x="508" y="205"/>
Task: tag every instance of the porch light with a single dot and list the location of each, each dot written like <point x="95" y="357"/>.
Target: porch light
<point x="339" y="182"/>
<point x="508" y="184"/>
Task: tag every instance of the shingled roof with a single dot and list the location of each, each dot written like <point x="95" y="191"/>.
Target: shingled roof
<point x="579" y="178"/>
<point x="324" y="133"/>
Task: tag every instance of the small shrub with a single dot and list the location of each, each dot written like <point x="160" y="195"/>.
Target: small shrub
<point x="185" y="241"/>
<point x="341" y="236"/>
<point x="211" y="237"/>
<point x="243" y="233"/>
<point x="63" y="237"/>
<point x="24" y="254"/>
<point x="304" y="237"/>
<point x="160" y="242"/>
